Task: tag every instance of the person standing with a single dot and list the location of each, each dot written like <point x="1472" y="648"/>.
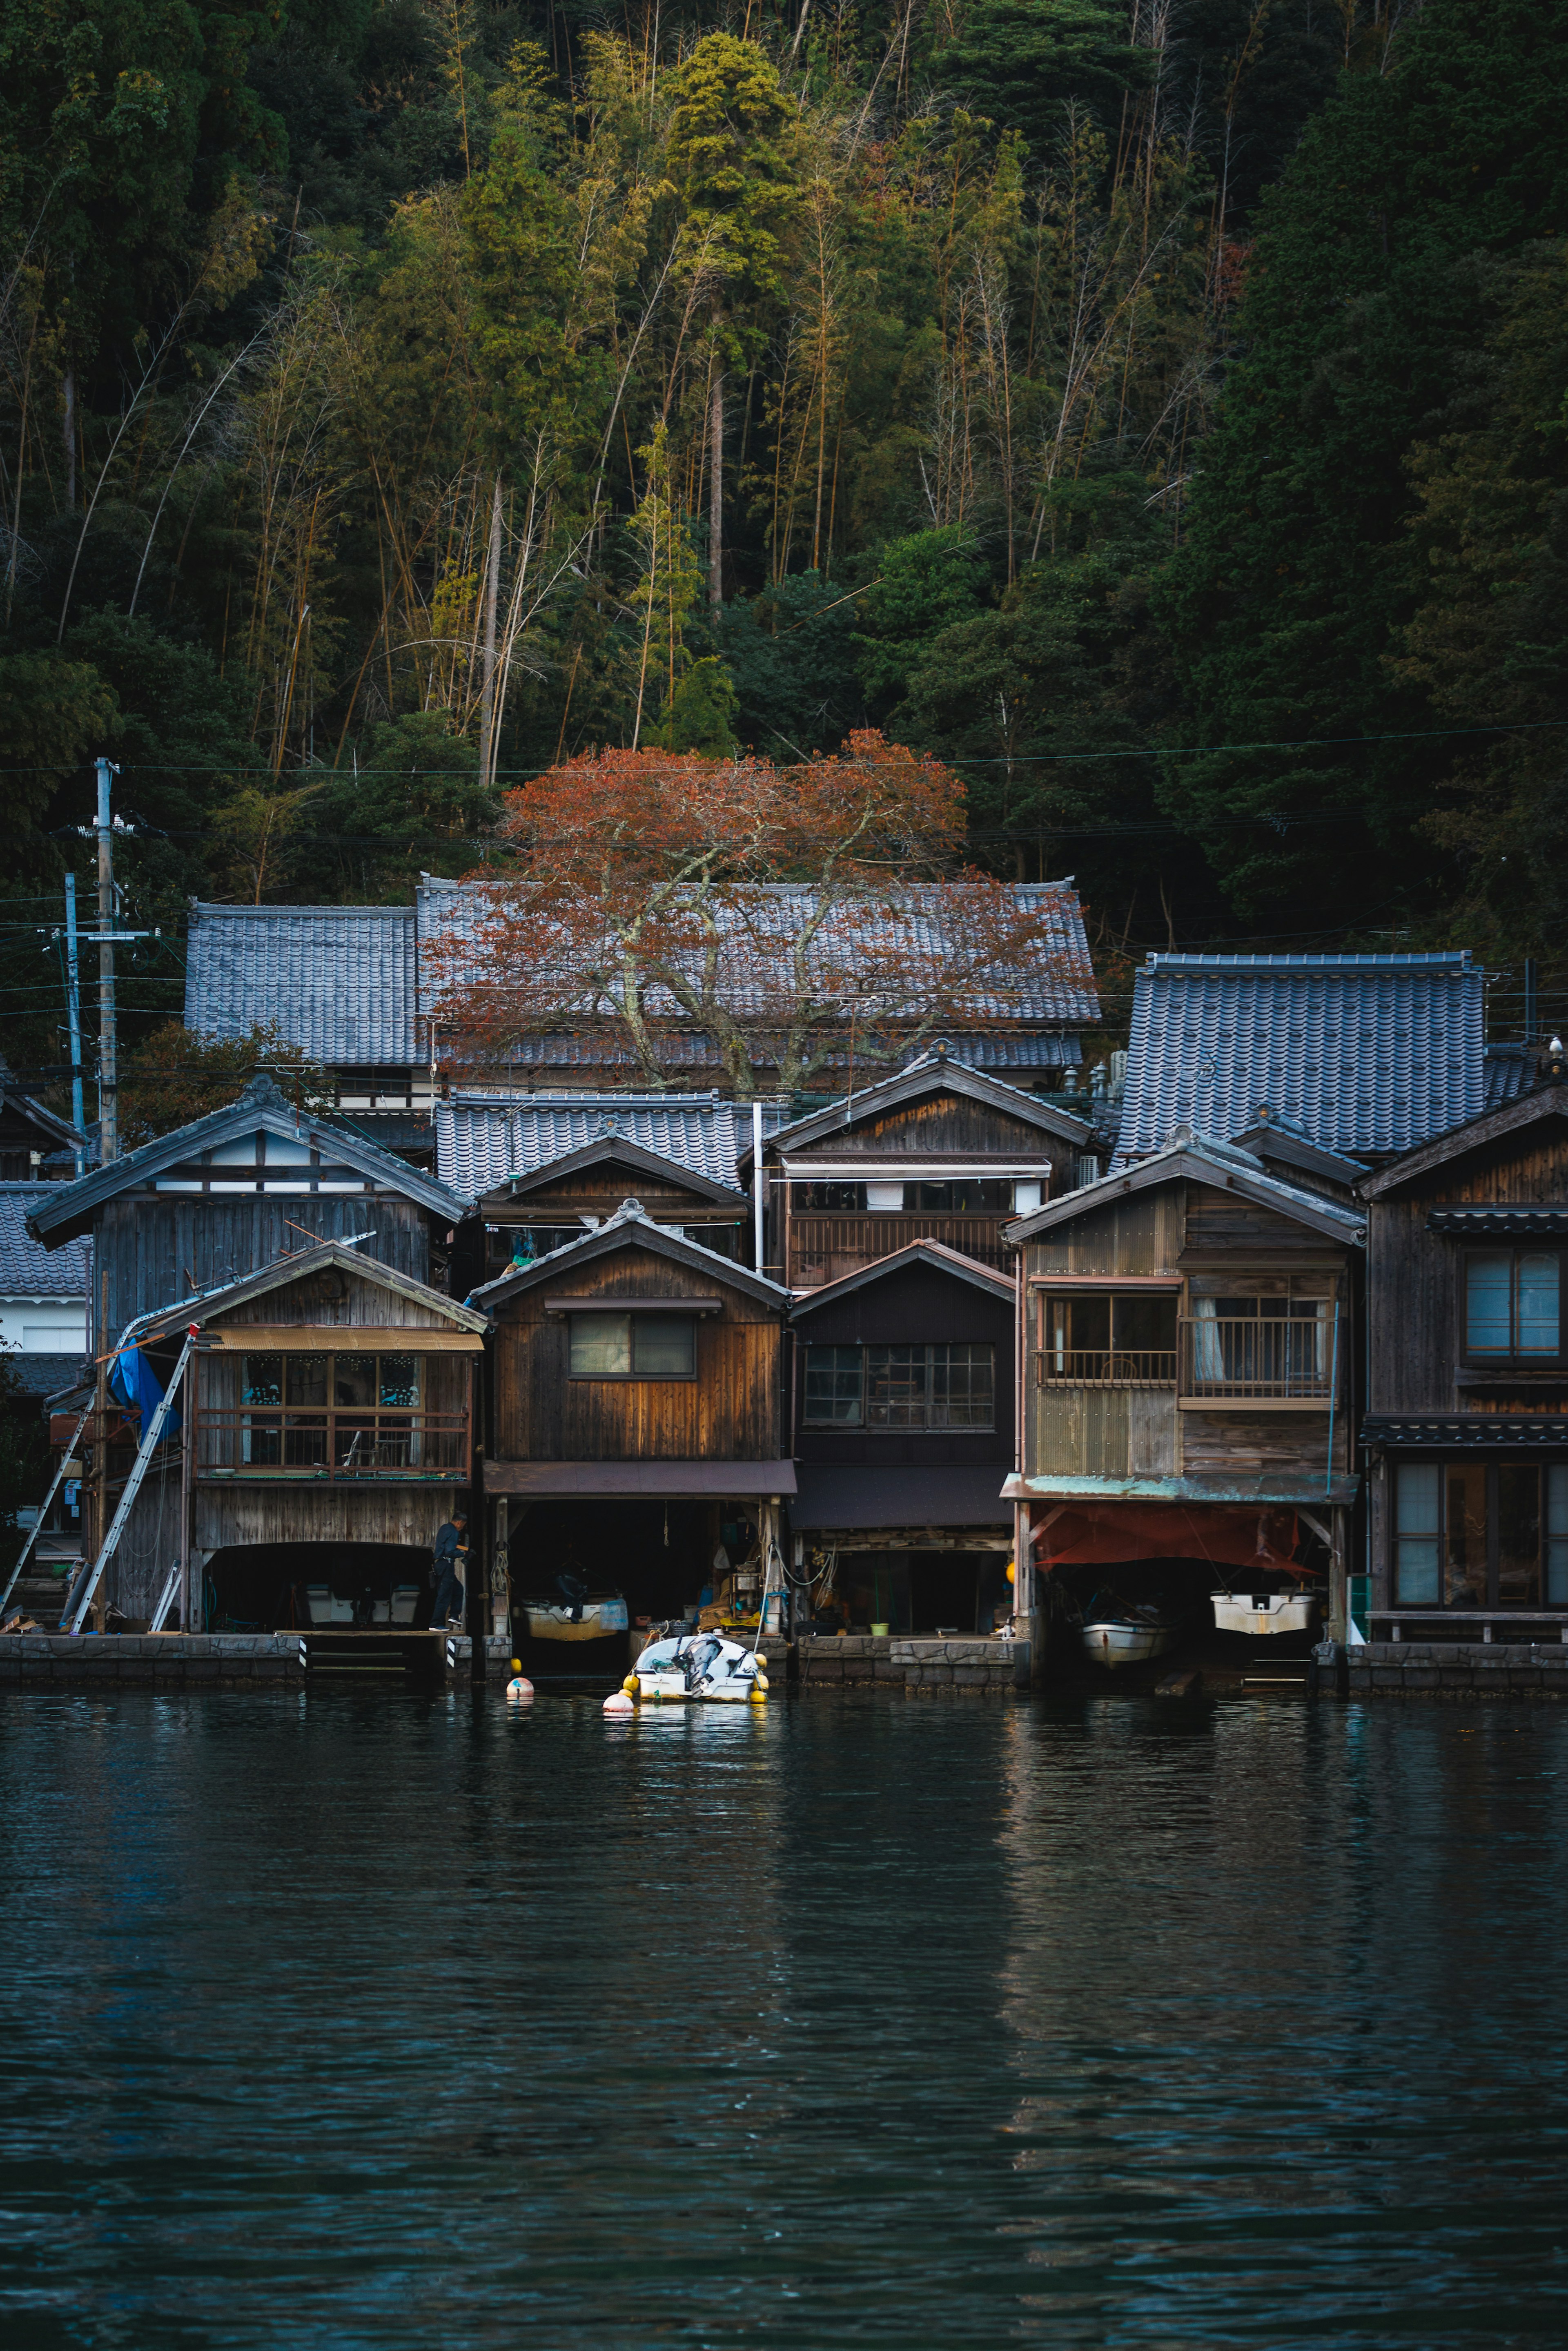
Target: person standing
<point x="451" y="1549"/>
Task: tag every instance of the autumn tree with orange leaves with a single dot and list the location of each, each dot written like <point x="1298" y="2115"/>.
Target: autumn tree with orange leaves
<point x="791" y="915"/>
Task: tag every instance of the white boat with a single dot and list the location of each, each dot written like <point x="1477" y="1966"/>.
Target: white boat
<point x="1258" y="1613"/>
<point x="1132" y="1640"/>
<point x="583" y="1620"/>
<point x="697" y="1666"/>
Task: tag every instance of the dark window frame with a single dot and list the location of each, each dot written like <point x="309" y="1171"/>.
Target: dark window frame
<point x="633" y="1376"/>
<point x="864" y="1425"/>
<point x="1493" y="1359"/>
<point x="1492" y="1467"/>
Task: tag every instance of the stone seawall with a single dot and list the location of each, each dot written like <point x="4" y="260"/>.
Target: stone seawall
<point x="1479" y="1668"/>
<point x="228" y="1660"/>
<point x="902" y="1662"/>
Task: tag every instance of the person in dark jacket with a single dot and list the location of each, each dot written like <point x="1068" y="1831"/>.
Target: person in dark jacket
<point x="451" y="1548"/>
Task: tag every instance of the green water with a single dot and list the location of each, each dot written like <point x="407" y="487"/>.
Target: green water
<point x="349" y="2020"/>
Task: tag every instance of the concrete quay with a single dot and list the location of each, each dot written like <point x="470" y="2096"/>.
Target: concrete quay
<point x="1478" y="1668"/>
<point x="905" y="1662"/>
<point x="232" y="1660"/>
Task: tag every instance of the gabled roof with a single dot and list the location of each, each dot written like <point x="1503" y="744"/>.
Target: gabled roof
<point x="616" y="1151"/>
<point x="482" y="1138"/>
<point x="1271" y="1136"/>
<point x="630" y="1228"/>
<point x="920" y="919"/>
<point x="51" y="1128"/>
<point x="1492" y="1126"/>
<point x="207" y="1304"/>
<point x="936" y="1254"/>
<point x="1370" y="1053"/>
<point x="339" y="982"/>
<point x="1205" y="1160"/>
<point x="26" y="1268"/>
<point x="66" y="1209"/>
<point x="935" y="1072"/>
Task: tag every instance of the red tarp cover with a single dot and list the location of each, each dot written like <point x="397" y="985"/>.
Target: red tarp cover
<point x="1234" y="1534"/>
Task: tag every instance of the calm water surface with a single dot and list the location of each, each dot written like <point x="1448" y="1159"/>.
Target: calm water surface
<point x="353" y="2020"/>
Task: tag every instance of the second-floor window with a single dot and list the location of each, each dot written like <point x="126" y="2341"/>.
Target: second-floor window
<point x="942" y="1386"/>
<point x="632" y="1347"/>
<point x="1512" y="1306"/>
<point x="1106" y="1335"/>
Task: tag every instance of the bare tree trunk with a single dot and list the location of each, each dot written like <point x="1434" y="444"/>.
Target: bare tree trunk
<point x="715" y="494"/>
<point x="492" y="591"/>
<point x="69" y="434"/>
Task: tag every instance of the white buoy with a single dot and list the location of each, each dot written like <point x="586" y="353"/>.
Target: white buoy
<point x="520" y="1689"/>
<point x="618" y="1703"/>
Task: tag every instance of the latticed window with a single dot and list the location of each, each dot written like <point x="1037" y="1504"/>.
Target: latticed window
<point x="951" y="1385"/>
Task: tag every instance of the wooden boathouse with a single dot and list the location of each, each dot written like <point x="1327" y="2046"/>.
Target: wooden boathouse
<point x="637" y="1415"/>
<point x="1187" y="1373"/>
<point x="327" y="1420"/>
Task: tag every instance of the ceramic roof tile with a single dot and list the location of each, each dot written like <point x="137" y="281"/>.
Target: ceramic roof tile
<point x="337" y="981"/>
<point x="28" y="1269"/>
<point x="482" y="1140"/>
<point x="1365" y="1052"/>
<point x="920" y="919"/>
<point x="1511" y="1071"/>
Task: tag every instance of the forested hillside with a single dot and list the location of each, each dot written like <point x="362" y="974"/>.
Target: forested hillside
<point x="1158" y="411"/>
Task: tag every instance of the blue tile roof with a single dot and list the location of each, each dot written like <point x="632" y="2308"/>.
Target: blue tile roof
<point x="1364" y="1053"/>
<point x="28" y="1269"/>
<point x="1511" y="1071"/>
<point x="482" y="1139"/>
<point x="337" y="981"/>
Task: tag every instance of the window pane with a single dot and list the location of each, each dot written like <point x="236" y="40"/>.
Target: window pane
<point x="663" y="1346"/>
<point x="263" y="1380"/>
<point x="1557" y="1535"/>
<point x="399" y="1382"/>
<point x="1145" y="1326"/>
<point x="896" y="1379"/>
<point x="307" y="1378"/>
<point x="601" y="1346"/>
<point x="354" y="1381"/>
<point x="833" y="1387"/>
<point x="1487" y="1283"/>
<point x="1518" y="1537"/>
<point x="1538" y="1304"/>
<point x="1466" y="1581"/>
<point x="961" y="1387"/>
<point x="1415" y="1506"/>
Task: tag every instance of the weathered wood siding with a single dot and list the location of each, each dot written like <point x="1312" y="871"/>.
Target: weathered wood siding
<point x="598" y="1192"/>
<point x="282" y="1514"/>
<point x="1224" y="1230"/>
<point x="1415" y="1276"/>
<point x="946" y="1126"/>
<point x="1139" y="1234"/>
<point x="920" y="1304"/>
<point x="156" y="1248"/>
<point x="1087" y="1432"/>
<point x="730" y="1412"/>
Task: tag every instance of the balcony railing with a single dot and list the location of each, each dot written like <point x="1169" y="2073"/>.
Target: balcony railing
<point x="1249" y="1359"/>
<point x="336" y="1446"/>
<point x="1106" y="1367"/>
<point x="824" y="1248"/>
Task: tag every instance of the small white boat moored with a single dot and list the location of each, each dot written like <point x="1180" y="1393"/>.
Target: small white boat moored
<point x="697" y="1666"/>
<point x="1260" y="1613"/>
<point x="1125" y="1641"/>
<point x="583" y="1620"/>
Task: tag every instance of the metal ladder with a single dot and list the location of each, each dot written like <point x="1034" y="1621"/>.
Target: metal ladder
<point x="44" y="1507"/>
<point x="74" y="1614"/>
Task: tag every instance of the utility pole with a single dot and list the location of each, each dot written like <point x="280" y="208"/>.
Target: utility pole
<point x="108" y="1070"/>
<point x="73" y="1013"/>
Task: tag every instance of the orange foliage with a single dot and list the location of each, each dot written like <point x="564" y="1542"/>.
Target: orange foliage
<point x="777" y="910"/>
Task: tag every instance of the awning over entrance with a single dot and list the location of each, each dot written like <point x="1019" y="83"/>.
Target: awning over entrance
<point x="632" y="1481"/>
<point x="1294" y="1492"/>
<point x="846" y="1495"/>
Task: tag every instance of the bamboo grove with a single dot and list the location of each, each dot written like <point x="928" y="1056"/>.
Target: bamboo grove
<point x="397" y="403"/>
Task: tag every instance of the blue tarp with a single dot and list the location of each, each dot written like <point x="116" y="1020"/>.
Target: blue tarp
<point x="133" y="1382"/>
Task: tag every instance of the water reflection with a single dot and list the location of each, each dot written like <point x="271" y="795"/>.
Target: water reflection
<point x="346" y="2020"/>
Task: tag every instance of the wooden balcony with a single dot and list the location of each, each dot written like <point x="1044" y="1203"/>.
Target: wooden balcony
<point x="334" y="1447"/>
<point x="1104" y="1367"/>
<point x="822" y="1249"/>
<point x="1285" y="1364"/>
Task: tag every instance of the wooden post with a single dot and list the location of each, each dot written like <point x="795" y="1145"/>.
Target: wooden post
<point x="476" y="1591"/>
<point x="100" y="1465"/>
<point x="1338" y="1588"/>
<point x="187" y="1491"/>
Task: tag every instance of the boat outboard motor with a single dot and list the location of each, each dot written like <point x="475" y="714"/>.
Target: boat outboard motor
<point x="700" y="1657"/>
<point x="573" y="1589"/>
